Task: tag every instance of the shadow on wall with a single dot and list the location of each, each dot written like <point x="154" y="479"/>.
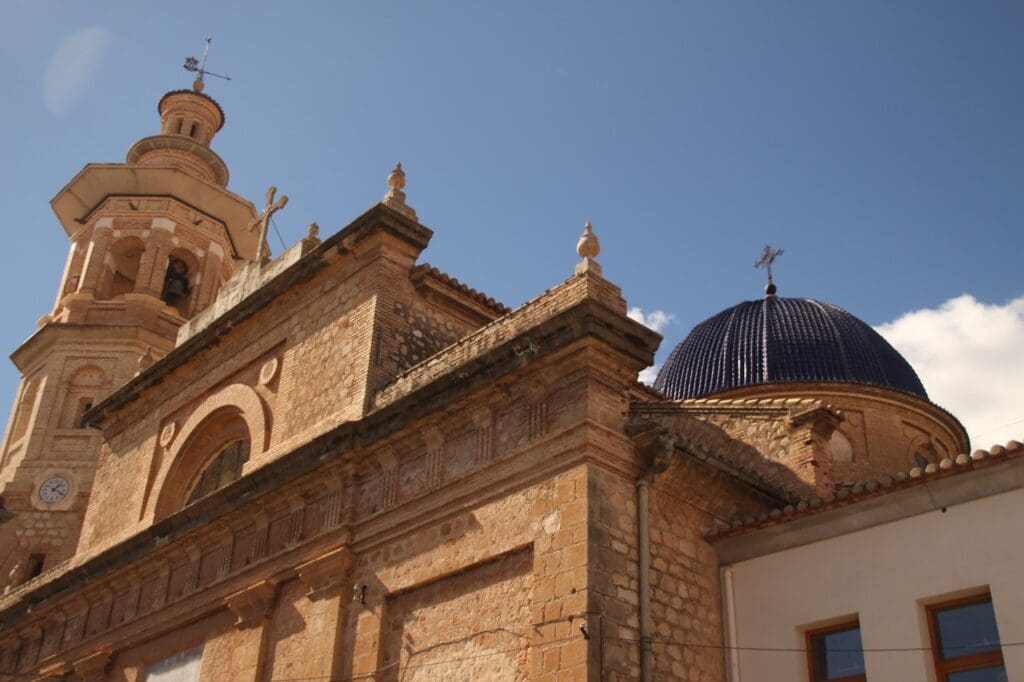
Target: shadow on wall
<point x="704" y="440"/>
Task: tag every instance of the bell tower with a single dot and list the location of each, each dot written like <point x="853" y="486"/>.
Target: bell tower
<point x="151" y="242"/>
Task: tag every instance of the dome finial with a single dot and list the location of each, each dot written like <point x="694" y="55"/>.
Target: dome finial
<point x="588" y="248"/>
<point x="768" y="257"/>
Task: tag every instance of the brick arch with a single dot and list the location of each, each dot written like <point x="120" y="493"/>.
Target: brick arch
<point x="237" y="408"/>
<point x="87" y="375"/>
<point x="239" y="396"/>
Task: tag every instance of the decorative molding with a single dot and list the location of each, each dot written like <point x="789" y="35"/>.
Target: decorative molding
<point x="326" y="573"/>
<point x="167" y="434"/>
<point x="433" y="437"/>
<point x="94" y="666"/>
<point x="252" y="604"/>
<point x="269" y="370"/>
<point x="389" y="469"/>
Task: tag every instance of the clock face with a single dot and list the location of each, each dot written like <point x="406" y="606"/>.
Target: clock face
<point x="54" y="489"/>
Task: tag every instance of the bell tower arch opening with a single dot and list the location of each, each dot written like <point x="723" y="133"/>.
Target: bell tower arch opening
<point x="123" y="264"/>
<point x="180" y="281"/>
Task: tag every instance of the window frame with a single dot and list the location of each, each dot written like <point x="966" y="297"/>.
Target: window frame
<point x="945" y="666"/>
<point x="809" y="636"/>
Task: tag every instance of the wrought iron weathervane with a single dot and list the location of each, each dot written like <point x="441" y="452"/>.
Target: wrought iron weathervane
<point x="195" y="66"/>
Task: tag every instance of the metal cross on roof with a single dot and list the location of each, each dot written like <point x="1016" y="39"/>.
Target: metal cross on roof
<point x="768" y="257"/>
<point x="192" y="64"/>
<point x="263" y="219"/>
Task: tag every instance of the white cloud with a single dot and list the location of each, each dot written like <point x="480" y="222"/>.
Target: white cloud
<point x="656" y="319"/>
<point x="72" y="67"/>
<point x="970" y="357"/>
<point x="649" y="374"/>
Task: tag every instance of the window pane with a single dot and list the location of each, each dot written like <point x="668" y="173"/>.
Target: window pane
<point x="838" y="654"/>
<point x="967" y="629"/>
<point x="228" y="464"/>
<point x="993" y="674"/>
<point x="180" y="667"/>
<point x="224" y="469"/>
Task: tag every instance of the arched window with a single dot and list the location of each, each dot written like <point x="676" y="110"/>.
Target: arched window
<point x="211" y="450"/>
<point x="126" y="254"/>
<point x="225" y="468"/>
<point x="25" y="406"/>
<point x="83" y="387"/>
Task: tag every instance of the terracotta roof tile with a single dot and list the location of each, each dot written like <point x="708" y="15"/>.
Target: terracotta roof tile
<point x="427" y="270"/>
<point x="854" y="493"/>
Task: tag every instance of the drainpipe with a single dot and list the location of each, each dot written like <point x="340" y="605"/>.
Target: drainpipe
<point x="658" y="465"/>
<point x="733" y="669"/>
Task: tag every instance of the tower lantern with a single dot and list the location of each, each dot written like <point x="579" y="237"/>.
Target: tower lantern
<point x="188" y="121"/>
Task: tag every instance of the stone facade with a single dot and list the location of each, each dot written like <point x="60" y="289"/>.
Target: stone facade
<point x="426" y="484"/>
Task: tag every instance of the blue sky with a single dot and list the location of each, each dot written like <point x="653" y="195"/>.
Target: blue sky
<point x="880" y="144"/>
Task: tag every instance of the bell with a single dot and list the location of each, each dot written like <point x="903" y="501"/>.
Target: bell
<point x="175" y="289"/>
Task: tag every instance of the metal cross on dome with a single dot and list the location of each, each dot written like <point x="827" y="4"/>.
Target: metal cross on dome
<point x="192" y="64"/>
<point x="768" y="257"/>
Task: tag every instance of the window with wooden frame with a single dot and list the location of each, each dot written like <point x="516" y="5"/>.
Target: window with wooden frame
<point x="965" y="641"/>
<point x="835" y="653"/>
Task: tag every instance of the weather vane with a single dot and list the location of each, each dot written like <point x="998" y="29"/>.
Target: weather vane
<point x="768" y="257"/>
<point x="195" y="66"/>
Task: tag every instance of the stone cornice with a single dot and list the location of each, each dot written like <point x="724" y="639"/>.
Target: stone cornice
<point x="44" y="338"/>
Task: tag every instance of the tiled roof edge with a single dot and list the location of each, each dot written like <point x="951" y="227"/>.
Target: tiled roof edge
<point x="948" y="467"/>
<point x="483" y="299"/>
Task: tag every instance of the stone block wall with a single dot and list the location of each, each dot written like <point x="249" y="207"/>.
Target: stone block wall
<point x="308" y="357"/>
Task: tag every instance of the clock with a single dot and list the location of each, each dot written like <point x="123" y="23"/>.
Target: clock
<point x="54" y="489"/>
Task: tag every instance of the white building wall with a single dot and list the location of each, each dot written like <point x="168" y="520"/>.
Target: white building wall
<point x="884" y="575"/>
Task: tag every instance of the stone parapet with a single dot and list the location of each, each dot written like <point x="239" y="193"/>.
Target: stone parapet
<point x="575" y="290"/>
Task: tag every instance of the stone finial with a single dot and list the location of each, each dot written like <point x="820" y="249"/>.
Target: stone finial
<point x="198" y="85"/>
<point x="18" y="574"/>
<point x="395" y="197"/>
<point x="396" y="180"/>
<point x="588" y="247"/>
<point x="146" y="360"/>
<point x="314" y="230"/>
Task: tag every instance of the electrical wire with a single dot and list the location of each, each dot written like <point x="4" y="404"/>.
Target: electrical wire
<point x="662" y="491"/>
<point x="872" y="650"/>
<point x="278" y="232"/>
<point x="1001" y="426"/>
<point x="461" y="659"/>
<point x="415" y="666"/>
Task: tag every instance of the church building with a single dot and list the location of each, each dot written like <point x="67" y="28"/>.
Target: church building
<point x="344" y="464"/>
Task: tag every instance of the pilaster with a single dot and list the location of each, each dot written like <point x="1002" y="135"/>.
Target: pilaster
<point x="96" y="257"/>
<point x="150" y="280"/>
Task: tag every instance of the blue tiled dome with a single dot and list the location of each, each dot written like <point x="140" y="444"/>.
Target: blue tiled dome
<point x="779" y="340"/>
